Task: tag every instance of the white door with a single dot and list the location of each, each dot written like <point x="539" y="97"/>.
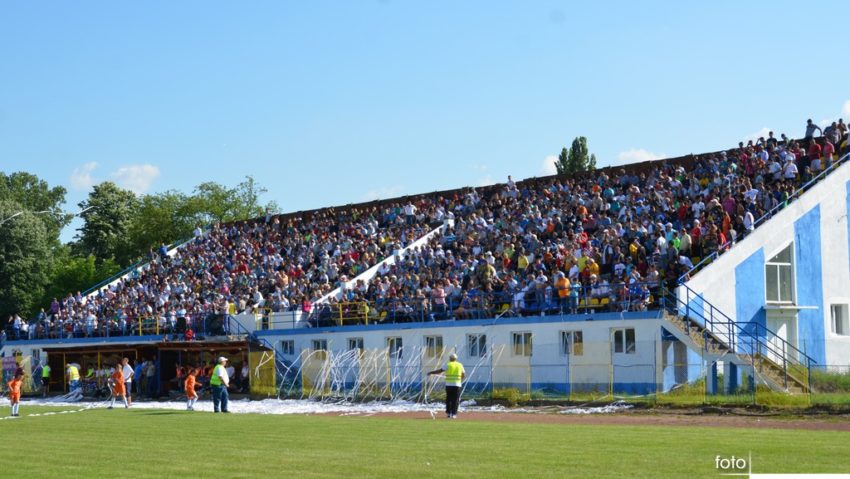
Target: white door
<point x="783" y="325"/>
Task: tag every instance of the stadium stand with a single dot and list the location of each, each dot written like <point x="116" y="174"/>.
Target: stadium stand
<point x="607" y="240"/>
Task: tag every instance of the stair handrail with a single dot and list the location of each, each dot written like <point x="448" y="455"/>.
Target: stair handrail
<point x="736" y="331"/>
<point x="797" y="192"/>
<point x="689" y="292"/>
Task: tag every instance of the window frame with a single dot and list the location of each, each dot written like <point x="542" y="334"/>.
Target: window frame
<point x="287" y="347"/>
<point x="436" y="350"/>
<point x="479" y="341"/>
<point x="395" y="347"/>
<point x="525" y="343"/>
<point x="839" y="326"/>
<point x="623" y="345"/>
<point x="780" y="268"/>
<point x="319" y="347"/>
<point x="355" y="343"/>
<point x="572" y="342"/>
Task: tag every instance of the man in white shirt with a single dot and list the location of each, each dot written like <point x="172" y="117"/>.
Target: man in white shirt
<point x="128" y="379"/>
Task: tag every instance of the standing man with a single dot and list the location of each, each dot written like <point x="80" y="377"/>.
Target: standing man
<point x="128" y="373"/>
<point x="455" y="374"/>
<point x="45" y="378"/>
<point x="73" y="377"/>
<point x="220" y="381"/>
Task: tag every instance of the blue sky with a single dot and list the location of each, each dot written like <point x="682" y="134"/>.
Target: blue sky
<point x="330" y="103"/>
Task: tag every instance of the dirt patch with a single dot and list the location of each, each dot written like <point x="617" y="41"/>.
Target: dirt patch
<point x="643" y="418"/>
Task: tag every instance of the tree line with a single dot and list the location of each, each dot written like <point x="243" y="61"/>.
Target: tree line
<point x="119" y="228"/>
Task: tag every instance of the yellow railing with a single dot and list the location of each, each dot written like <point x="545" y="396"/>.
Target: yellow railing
<point x="148" y="326"/>
<point x="356" y="312"/>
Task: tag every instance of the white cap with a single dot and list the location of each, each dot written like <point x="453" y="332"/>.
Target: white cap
<point x="452" y="357"/>
<point x="222" y="359"/>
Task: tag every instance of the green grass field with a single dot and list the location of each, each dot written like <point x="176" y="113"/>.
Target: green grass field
<point x="144" y="443"/>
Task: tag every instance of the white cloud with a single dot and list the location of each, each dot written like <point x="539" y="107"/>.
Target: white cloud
<point x="136" y="178"/>
<point x="548" y="168"/>
<point x="486" y="181"/>
<point x="383" y="193"/>
<point x="845" y="110"/>
<point x="636" y="155"/>
<point x="759" y="134"/>
<point x="81" y="178"/>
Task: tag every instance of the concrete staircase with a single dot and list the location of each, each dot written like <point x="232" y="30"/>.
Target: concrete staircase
<point x="718" y="338"/>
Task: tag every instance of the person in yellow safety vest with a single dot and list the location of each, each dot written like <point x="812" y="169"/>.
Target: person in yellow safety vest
<point x="45" y="378"/>
<point x="73" y="377"/>
<point x="220" y="381"/>
<point x="455" y="374"/>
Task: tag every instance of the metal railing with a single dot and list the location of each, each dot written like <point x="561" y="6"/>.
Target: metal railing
<point x="750" y="338"/>
<point x="763" y="218"/>
<point x="137" y="327"/>
<point x="473" y="305"/>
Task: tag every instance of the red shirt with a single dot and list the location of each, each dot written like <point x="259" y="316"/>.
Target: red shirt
<point x="814" y="151"/>
<point x="828" y="150"/>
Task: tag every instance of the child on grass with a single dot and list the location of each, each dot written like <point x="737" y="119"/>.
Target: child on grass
<point x="189" y="387"/>
<point x="116" y="382"/>
<point x="15" y="393"/>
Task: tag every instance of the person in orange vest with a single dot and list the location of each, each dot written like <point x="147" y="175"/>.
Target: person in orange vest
<point x="189" y="385"/>
<point x="15" y="393"/>
<point x="116" y="382"/>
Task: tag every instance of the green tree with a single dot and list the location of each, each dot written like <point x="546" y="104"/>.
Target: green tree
<point x="30" y="193"/>
<point x="576" y="159"/>
<point x="161" y="218"/>
<point x="107" y="214"/>
<point x="215" y="203"/>
<point x="75" y="273"/>
<point x="26" y="245"/>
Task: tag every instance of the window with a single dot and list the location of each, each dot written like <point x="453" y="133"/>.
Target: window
<point x="572" y="343"/>
<point x="624" y="340"/>
<point x="355" y="343"/>
<point x="320" y="346"/>
<point x="521" y="343"/>
<point x="287" y="347"/>
<point x="840" y="319"/>
<point x="476" y="345"/>
<point x="779" y="277"/>
<point x="394" y="347"/>
<point x="433" y="346"/>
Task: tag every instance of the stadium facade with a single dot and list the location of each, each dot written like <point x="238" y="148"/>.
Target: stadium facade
<point x="767" y="311"/>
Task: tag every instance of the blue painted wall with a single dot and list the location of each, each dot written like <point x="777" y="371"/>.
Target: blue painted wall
<point x="809" y="282"/>
<point x="749" y="293"/>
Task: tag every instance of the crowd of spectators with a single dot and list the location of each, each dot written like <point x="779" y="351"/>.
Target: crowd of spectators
<point x="610" y="239"/>
<point x="268" y="264"/>
<point x="606" y="242"/>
